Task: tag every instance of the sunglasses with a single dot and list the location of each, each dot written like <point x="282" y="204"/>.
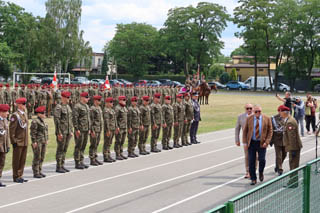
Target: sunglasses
<point x="41" y="112"/>
<point x="249" y="108"/>
<point x="23" y="103"/>
<point x="258" y="111"/>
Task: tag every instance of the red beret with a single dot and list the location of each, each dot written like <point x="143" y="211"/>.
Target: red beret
<point x="4" y="107"/>
<point x="21" y="100"/>
<point x="22" y="85"/>
<point x="65" y="94"/>
<point x="17" y="85"/>
<point x="84" y="94"/>
<point x="40" y="109"/>
<point x="168" y="97"/>
<point x="7" y="85"/>
<point x="134" y="98"/>
<point x="1" y="85"/>
<point x="157" y="95"/>
<point x="179" y="95"/>
<point x="110" y="99"/>
<point x="145" y="98"/>
<point x="97" y="97"/>
<point x="123" y="98"/>
<point x="283" y="108"/>
<point x="186" y="94"/>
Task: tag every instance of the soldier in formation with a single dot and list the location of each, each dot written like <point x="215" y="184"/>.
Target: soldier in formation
<point x="4" y="137"/>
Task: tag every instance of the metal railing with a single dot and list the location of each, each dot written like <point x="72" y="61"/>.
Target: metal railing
<point x="295" y="191"/>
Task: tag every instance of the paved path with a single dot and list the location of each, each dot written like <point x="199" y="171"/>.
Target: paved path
<point x="189" y="179"/>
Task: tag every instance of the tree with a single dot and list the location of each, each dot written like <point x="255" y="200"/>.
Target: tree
<point x="132" y="47"/>
<point x="224" y="78"/>
<point x="216" y="70"/>
<point x="234" y="75"/>
<point x="105" y="68"/>
<point x="241" y="51"/>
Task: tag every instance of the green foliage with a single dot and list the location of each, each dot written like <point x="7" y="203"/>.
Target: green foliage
<point x="215" y="70"/>
<point x="240" y="51"/>
<point x="104" y="67"/>
<point x="224" y="78"/>
<point x="234" y="75"/>
<point x="132" y="78"/>
<point x="315" y="81"/>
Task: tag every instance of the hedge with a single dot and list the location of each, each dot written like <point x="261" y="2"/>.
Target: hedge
<point x="179" y="78"/>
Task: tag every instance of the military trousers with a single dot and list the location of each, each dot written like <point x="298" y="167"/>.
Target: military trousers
<point x="49" y="109"/>
<point x="80" y="146"/>
<point x="132" y="140"/>
<point x="62" y="148"/>
<point x="281" y="154"/>
<point x="120" y="139"/>
<point x="19" y="156"/>
<point x="143" y="136"/>
<point x="38" y="157"/>
<point x="185" y="132"/>
<point x="177" y="132"/>
<point x="166" y="135"/>
<point x="155" y="133"/>
<point x="294" y="160"/>
<point x="107" y="142"/>
<point x="30" y="110"/>
<point x="2" y="162"/>
<point x="94" y="143"/>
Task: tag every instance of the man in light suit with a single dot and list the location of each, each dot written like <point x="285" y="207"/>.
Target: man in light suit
<point x="240" y="125"/>
<point x="257" y="134"/>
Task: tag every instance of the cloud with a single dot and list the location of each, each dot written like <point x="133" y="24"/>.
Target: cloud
<point x="230" y="43"/>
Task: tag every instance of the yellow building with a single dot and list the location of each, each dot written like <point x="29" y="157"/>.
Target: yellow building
<point x="245" y="68"/>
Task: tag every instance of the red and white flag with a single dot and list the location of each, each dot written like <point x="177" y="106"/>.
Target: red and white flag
<point x="54" y="83"/>
<point x="107" y="84"/>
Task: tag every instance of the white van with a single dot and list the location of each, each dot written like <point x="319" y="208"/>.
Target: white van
<point x="262" y="82"/>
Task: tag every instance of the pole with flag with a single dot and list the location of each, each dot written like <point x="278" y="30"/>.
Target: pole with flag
<point x="54" y="83"/>
<point x="107" y="84"/>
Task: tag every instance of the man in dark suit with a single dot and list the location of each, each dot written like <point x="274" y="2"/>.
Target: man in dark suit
<point x="257" y="134"/>
<point x="196" y="118"/>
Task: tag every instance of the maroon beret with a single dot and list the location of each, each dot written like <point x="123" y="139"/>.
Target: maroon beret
<point x="180" y="95"/>
<point x="65" y="94"/>
<point x="122" y="98"/>
<point x="186" y="94"/>
<point x="110" y="99"/>
<point x="21" y="101"/>
<point x="97" y="97"/>
<point x="7" y="85"/>
<point x="22" y="85"/>
<point x="283" y="108"/>
<point x="168" y="97"/>
<point x="145" y="98"/>
<point x="4" y="107"/>
<point x="157" y="95"/>
<point x="84" y="94"/>
<point x="17" y="85"/>
<point x="40" y="109"/>
<point x="134" y="98"/>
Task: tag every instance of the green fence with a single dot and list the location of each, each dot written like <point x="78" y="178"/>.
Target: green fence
<point x="295" y="191"/>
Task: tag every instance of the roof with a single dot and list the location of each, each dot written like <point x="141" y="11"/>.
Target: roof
<point x="98" y="54"/>
<point x="249" y="57"/>
<point x="245" y="65"/>
<point x="80" y="69"/>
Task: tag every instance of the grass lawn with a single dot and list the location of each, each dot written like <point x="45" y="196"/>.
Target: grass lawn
<point x="220" y="114"/>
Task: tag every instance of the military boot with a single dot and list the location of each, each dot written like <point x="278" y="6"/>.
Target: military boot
<point x="124" y="157"/>
<point x="99" y="162"/>
<point x="93" y="162"/>
<point x="119" y="157"/>
<point x="60" y="170"/>
<point x="84" y="165"/>
<point x="79" y="166"/>
<point x="64" y="168"/>
<point x="37" y="176"/>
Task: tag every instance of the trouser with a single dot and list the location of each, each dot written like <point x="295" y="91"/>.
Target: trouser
<point x="94" y="143"/>
<point x="143" y="136"/>
<point x="281" y="154"/>
<point x="19" y="156"/>
<point x="185" y="132"/>
<point x="38" y="157"/>
<point x="107" y="142"/>
<point x="177" y="132"/>
<point x="80" y="146"/>
<point x="300" y="123"/>
<point x="310" y="119"/>
<point x="255" y="148"/>
<point x="193" y="131"/>
<point x="294" y="160"/>
<point x="120" y="139"/>
<point x="62" y="148"/>
<point x="49" y="109"/>
<point x="30" y="110"/>
<point x="166" y="135"/>
<point x="2" y="162"/>
<point x="155" y="136"/>
<point x="132" y="140"/>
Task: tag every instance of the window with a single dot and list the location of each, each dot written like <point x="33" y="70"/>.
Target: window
<point x="99" y="61"/>
<point x="260" y="70"/>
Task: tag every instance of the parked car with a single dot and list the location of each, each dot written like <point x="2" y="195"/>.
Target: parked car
<point x="115" y="81"/>
<point x="282" y="87"/>
<point x="218" y="84"/>
<point x="317" y="88"/>
<point x="47" y="80"/>
<point x="177" y="83"/>
<point x="125" y="82"/>
<point x="97" y="81"/>
<point x="144" y="82"/>
<point x="166" y="82"/>
<point x="35" y="80"/>
<point x="64" y="81"/>
<point x="154" y="83"/>
<point x="238" y="85"/>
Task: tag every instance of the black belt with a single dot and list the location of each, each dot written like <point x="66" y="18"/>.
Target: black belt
<point x="255" y="140"/>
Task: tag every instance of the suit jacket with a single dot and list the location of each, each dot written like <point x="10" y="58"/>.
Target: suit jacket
<point x="266" y="130"/>
<point x="241" y="122"/>
<point x="291" y="138"/>
<point x="18" y="129"/>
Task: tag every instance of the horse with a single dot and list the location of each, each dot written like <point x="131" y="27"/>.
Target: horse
<point x="214" y="87"/>
<point x="204" y="92"/>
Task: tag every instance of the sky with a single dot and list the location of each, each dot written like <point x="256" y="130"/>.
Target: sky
<point x="100" y="17"/>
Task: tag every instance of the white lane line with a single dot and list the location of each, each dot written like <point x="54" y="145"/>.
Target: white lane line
<point x="214" y="188"/>
<point x="155" y="184"/>
<point x="114" y="177"/>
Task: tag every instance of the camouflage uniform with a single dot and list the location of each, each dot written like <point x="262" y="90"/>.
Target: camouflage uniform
<point x="64" y="126"/>
<point x="133" y="124"/>
<point x="31" y="99"/>
<point x="4" y="142"/>
<point x="39" y="136"/>
<point x="82" y="123"/>
<point x="145" y="113"/>
<point x="179" y="115"/>
<point x="187" y="123"/>
<point x="122" y="122"/>
<point x="110" y="124"/>
<point x="156" y="121"/>
<point x="7" y="97"/>
<point x="167" y="114"/>
<point x="96" y="128"/>
<point x="14" y="97"/>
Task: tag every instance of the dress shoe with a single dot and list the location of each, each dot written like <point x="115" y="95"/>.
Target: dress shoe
<point x="66" y="170"/>
<point x="43" y="175"/>
<point x="84" y="165"/>
<point x="247" y="176"/>
<point x="275" y="169"/>
<point x="198" y="142"/>
<point x="60" y="170"/>
<point x="253" y="182"/>
<point x="261" y="176"/>
<point x="24" y="180"/>
<point x="280" y="173"/>
<point x="2" y="185"/>
<point x="37" y="176"/>
<point x="170" y="147"/>
<point x="18" y="180"/>
<point x="99" y="162"/>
